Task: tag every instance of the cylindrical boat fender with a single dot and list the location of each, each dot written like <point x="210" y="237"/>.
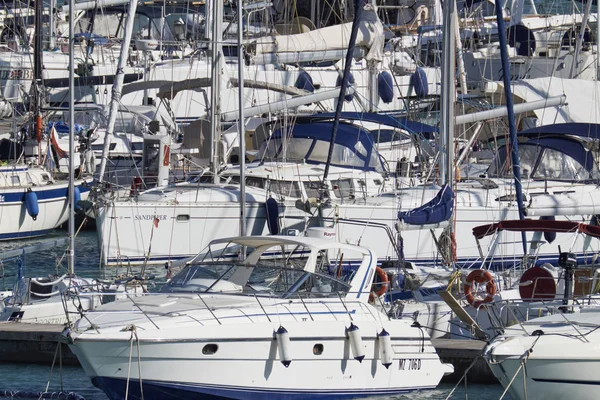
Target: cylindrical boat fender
<point x="418" y="81"/>
<point x="356" y="343"/>
<point x="386" y="352"/>
<point x="548" y="236"/>
<point x="76" y="198"/>
<point x="305" y="82"/>
<point x="338" y="83"/>
<point x="31" y="204"/>
<point x="283" y="346"/>
<point x="272" y="215"/>
<point x="385" y="85"/>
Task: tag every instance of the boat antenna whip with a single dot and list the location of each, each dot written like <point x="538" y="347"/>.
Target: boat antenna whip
<point x="512" y="126"/>
<point x="358" y="6"/>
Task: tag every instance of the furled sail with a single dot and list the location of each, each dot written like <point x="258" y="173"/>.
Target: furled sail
<point x="370" y="38"/>
<point x="437" y="210"/>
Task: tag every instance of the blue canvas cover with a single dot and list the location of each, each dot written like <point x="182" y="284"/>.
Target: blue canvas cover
<point x="427" y="131"/>
<point x="437" y="210"/>
<point x="586" y="130"/>
<point x="348" y="137"/>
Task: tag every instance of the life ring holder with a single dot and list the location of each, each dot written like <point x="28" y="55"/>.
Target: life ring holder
<point x="481" y="277"/>
<point x="136" y="186"/>
<point x="383" y="284"/>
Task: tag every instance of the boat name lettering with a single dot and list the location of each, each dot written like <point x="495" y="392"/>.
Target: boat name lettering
<point x="409" y="364"/>
<point x="2" y="198"/>
<point x="16" y="74"/>
<point x="149" y="217"/>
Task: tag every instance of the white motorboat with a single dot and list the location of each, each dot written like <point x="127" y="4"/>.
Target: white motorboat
<point x="552" y="357"/>
<point x="292" y="320"/>
<point x="60" y="299"/>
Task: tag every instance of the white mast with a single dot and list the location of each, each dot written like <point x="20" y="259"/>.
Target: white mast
<point x="241" y="127"/>
<point x="216" y="70"/>
<point x="117" y="85"/>
<point x="447" y="108"/>
<point x="71" y="251"/>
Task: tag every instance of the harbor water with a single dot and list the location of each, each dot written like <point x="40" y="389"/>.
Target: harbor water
<point x="31" y="377"/>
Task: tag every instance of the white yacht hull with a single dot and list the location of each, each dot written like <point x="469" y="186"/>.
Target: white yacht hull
<point x="135" y="233"/>
<point x="249" y="359"/>
<point x="561" y="363"/>
<point x="53" y="210"/>
<point x="130" y="233"/>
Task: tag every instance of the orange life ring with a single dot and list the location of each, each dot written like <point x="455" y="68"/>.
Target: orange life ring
<point x="480" y="276"/>
<point x="383" y="284"/>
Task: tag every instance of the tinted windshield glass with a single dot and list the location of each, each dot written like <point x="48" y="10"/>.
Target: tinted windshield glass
<point x="262" y="279"/>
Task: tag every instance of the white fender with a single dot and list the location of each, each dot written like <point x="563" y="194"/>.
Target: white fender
<point x="356" y="343"/>
<point x="283" y="346"/>
<point x="386" y="352"/>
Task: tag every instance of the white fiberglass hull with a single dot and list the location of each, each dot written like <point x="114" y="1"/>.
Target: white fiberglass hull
<point x="156" y="232"/>
<point x="246" y="363"/>
<point x="50" y="311"/>
<point x="53" y="206"/>
<point x="134" y="233"/>
<point x="561" y="363"/>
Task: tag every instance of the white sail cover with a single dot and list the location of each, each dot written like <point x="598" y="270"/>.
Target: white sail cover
<point x="370" y="37"/>
<point x="583" y="97"/>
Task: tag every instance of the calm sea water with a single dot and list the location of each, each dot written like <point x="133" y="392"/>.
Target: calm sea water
<point x="36" y="377"/>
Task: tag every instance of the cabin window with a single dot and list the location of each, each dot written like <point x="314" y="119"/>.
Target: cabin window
<point x="253" y="181"/>
<point x="285" y="188"/>
<point x="318" y="349"/>
<point x="312" y="189"/>
<point x="16" y="181"/>
<point x="183" y="218"/>
<point x="45" y="177"/>
<point x="210" y="349"/>
<point x="343" y="188"/>
<point x="297" y="148"/>
<point x="558" y="165"/>
<point x="528" y="155"/>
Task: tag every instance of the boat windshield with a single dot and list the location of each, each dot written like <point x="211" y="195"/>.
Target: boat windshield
<point x="263" y="279"/>
<point x="316" y="151"/>
<point x="544" y="163"/>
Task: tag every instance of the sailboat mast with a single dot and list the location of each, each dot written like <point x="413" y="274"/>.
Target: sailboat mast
<point x="446" y="164"/>
<point x="71" y="234"/>
<point x="38" y="70"/>
<point x="358" y="7"/>
<point x="241" y="127"/>
<point x="117" y="85"/>
<point x="512" y="126"/>
<point x="216" y="36"/>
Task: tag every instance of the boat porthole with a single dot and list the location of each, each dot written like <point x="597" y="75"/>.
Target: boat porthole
<point x="210" y="349"/>
<point x="183" y="218"/>
<point x="318" y="349"/>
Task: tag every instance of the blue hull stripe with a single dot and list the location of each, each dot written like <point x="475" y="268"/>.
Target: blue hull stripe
<point x="115" y="390"/>
<point x="27" y="234"/>
<point x="567" y="382"/>
<point x="50" y="194"/>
